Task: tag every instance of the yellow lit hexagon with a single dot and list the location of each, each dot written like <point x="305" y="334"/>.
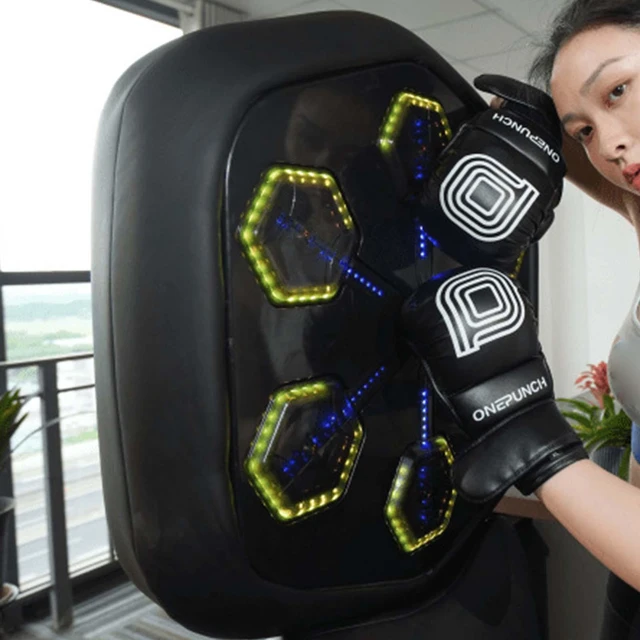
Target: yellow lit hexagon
<point x="257" y="463"/>
<point x="278" y="291"/>
<point x="394" y="511"/>
<point x="397" y="112"/>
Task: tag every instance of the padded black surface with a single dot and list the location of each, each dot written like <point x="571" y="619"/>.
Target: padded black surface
<point x="167" y="320"/>
<point x="491" y="599"/>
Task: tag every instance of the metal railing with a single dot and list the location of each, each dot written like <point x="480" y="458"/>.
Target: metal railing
<point x="60" y="585"/>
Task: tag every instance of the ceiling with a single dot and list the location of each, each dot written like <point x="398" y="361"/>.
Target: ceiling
<point x="475" y="36"/>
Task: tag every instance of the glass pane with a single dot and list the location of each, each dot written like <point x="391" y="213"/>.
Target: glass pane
<point x="49" y="121"/>
<point x="75" y="373"/>
<point x="28" y="484"/>
<point x="87" y="534"/>
<point x="47" y="320"/>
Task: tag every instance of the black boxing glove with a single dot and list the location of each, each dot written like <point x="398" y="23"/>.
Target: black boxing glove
<point x="497" y="182"/>
<point x="475" y="332"/>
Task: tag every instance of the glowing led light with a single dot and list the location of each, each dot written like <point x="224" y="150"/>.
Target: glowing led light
<point x="368" y="384"/>
<point x="424" y="414"/>
<point x="396" y="116"/>
<point x="424" y="239"/>
<point x="352" y="274"/>
<point x="518" y="266"/>
<point x="263" y="200"/>
<point x="327" y="254"/>
<point x="257" y="463"/>
<point x="394" y="512"/>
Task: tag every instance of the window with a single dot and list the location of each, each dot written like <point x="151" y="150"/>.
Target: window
<point x="58" y="66"/>
<point x="47" y="320"/>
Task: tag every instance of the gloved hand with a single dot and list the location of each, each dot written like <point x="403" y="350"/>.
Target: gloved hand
<point x="498" y="181"/>
<point x="475" y="331"/>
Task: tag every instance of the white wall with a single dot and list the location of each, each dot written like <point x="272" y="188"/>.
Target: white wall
<point x="589" y="271"/>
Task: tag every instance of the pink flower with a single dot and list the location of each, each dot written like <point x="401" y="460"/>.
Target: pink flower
<point x="595" y="379"/>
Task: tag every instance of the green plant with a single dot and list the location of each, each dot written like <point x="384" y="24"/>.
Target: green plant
<point x="11" y="404"/>
<point x="600" y="425"/>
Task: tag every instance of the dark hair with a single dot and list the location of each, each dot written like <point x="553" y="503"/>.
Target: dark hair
<point x="578" y="16"/>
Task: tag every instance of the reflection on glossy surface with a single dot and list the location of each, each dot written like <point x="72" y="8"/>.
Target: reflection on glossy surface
<point x="330" y="126"/>
<point x="298" y="236"/>
<point x="422" y="499"/>
<point x="414" y="132"/>
<point x="305" y="451"/>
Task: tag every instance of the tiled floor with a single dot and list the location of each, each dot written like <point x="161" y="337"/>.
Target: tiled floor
<point x="123" y="613"/>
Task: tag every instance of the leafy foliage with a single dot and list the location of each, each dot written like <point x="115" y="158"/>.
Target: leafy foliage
<point x="11" y="404"/>
<point x="601" y="427"/>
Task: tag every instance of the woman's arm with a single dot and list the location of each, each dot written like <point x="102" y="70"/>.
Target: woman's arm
<point x="602" y="512"/>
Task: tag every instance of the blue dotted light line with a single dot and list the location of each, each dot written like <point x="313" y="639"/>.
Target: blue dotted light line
<point x="423" y="478"/>
<point x="365" y="387"/>
<point x="420" y="129"/>
<point x="328" y="255"/>
<point x="423" y="482"/>
<point x="424" y="412"/>
<point x="301" y="457"/>
<point x="423" y="239"/>
<point x="327" y="428"/>
<point x="350" y="272"/>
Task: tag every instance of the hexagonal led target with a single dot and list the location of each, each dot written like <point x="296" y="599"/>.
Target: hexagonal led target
<point x="298" y="235"/>
<point x="396" y="116"/>
<point x="304" y="453"/>
<point x="414" y="132"/>
<point x="421" y="500"/>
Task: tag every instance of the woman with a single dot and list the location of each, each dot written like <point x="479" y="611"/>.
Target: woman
<point x="591" y="67"/>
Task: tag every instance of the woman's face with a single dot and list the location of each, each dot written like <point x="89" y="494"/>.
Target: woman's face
<point x="596" y="89"/>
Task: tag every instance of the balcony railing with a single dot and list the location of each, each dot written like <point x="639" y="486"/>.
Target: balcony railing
<point x="60" y="580"/>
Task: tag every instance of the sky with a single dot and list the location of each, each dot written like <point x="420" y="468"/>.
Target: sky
<point x="58" y="65"/>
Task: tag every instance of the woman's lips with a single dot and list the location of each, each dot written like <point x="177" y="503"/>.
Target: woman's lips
<point x="632" y="176"/>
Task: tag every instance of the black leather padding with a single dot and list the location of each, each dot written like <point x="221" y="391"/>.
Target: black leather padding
<point x="491" y="599"/>
<point x="158" y="285"/>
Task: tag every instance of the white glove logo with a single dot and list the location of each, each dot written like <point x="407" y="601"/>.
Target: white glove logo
<point x="484" y="198"/>
<point x="478" y="307"/>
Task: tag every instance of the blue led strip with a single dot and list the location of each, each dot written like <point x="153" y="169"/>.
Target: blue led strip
<point x="324" y="431"/>
<point x="423" y="483"/>
<point x="424" y="422"/>
<point x="328" y="427"/>
<point x="420" y="128"/>
<point x="317" y="440"/>
<point x="423" y="239"/>
<point x="352" y="274"/>
<point x="356" y="397"/>
<point x="328" y="255"/>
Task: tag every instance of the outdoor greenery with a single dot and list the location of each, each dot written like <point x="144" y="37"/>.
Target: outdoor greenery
<point x="44" y="329"/>
<point x="11" y="405"/>
<point x="22" y="345"/>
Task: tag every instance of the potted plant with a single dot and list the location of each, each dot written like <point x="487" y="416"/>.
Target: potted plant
<point x="11" y="405"/>
<point x="604" y="428"/>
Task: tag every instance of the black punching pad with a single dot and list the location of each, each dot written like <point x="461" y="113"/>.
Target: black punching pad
<point x="272" y="460"/>
<point x="491" y="599"/>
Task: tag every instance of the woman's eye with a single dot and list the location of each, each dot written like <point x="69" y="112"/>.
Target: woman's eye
<point x="616" y="94"/>
<point x="581" y="135"/>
